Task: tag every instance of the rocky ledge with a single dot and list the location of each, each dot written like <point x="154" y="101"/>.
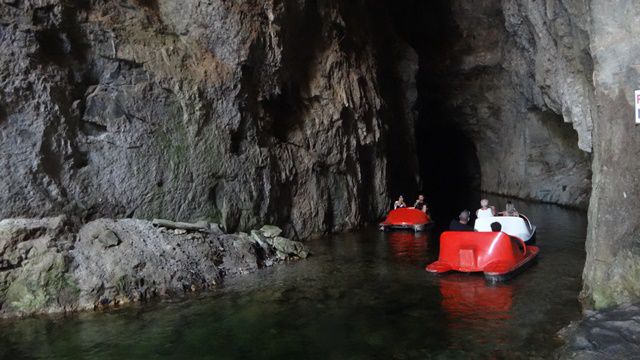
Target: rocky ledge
<point x="52" y="265"/>
<point x="612" y="334"/>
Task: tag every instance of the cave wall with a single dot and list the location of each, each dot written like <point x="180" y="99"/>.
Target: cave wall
<point x="518" y="81"/>
<point x="529" y="66"/>
<point x="247" y="112"/>
<point x="612" y="270"/>
<point x="243" y="112"/>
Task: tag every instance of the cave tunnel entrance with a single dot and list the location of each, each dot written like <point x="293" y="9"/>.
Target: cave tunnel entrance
<point x="448" y="165"/>
<point x="449" y="170"/>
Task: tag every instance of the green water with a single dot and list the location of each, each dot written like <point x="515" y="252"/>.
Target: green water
<point x="363" y="295"/>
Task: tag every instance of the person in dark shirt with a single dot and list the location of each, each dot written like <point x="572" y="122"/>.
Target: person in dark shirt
<point x="421" y="204"/>
<point x="462" y="224"/>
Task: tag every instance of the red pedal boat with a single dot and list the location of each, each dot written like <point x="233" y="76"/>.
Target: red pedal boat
<point x="498" y="255"/>
<point x="406" y="218"/>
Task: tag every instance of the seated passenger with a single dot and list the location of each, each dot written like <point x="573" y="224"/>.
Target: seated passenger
<point x="496" y="226"/>
<point x="462" y="224"/>
<point x="485" y="210"/>
<point x="421" y="205"/>
<point x="510" y="210"/>
<point x="399" y="203"/>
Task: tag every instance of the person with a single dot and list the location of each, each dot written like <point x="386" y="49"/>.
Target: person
<point x="496" y="226"/>
<point x="462" y="224"/>
<point x="485" y="210"/>
<point x="510" y="210"/>
<point x="421" y="205"/>
<point x="399" y="203"/>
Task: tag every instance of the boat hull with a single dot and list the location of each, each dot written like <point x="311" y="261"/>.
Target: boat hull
<point x="497" y="255"/>
<point x="406" y="219"/>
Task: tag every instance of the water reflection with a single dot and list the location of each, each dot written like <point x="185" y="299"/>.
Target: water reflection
<point x="470" y="297"/>
<point x="407" y="246"/>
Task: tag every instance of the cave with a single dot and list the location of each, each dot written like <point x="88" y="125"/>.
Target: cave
<point x="479" y="126"/>
<point x="252" y="129"/>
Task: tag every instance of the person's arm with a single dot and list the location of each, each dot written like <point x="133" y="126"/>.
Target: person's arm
<point x="493" y="210"/>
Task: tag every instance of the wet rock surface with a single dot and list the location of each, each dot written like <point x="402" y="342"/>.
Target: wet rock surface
<point x="47" y="266"/>
<point x="612" y="334"/>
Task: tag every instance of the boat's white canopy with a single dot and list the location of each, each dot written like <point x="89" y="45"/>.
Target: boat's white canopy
<point x="512" y="225"/>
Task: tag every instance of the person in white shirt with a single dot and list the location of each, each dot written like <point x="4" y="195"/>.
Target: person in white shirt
<point x="399" y="203"/>
<point x="485" y="210"/>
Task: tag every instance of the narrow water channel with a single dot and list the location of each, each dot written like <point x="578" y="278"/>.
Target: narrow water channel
<point x="363" y="295"/>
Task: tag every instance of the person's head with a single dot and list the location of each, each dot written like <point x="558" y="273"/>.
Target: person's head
<point x="400" y="198"/>
<point x="510" y="206"/>
<point x="464" y="216"/>
<point x="496" y="226"/>
<point x="484" y="203"/>
<point x="421" y="197"/>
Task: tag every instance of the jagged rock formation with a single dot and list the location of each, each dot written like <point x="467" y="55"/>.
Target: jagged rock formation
<point x="49" y="266"/>
<point x="518" y="77"/>
<point x="515" y="77"/>
<point x="550" y="61"/>
<point x="612" y="270"/>
<point x="238" y="112"/>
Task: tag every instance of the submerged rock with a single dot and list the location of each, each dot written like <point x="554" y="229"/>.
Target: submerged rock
<point x="46" y="266"/>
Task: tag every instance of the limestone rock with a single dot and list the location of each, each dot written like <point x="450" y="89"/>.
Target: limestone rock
<point x="47" y="267"/>
<point x="108" y="238"/>
<point x="518" y="79"/>
<point x="34" y="266"/>
<point x="611" y="275"/>
<point x="270" y="231"/>
<point x="288" y="247"/>
<point x="237" y="113"/>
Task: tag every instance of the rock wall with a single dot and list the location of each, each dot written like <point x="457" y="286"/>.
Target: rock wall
<point x="283" y="111"/>
<point x="242" y="112"/>
<point x="526" y="67"/>
<point x="612" y="269"/>
<point x="518" y="81"/>
<point x="545" y="91"/>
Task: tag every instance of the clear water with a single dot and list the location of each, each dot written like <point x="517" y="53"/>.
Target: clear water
<point x="363" y="295"/>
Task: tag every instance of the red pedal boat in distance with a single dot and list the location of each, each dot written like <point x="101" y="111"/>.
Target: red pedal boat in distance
<point x="406" y="218"/>
<point x="498" y="255"/>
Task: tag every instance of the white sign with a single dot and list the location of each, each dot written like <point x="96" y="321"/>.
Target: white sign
<point x="637" y="101"/>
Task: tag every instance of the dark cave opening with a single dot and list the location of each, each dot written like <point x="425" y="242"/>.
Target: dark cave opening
<point x="448" y="165"/>
<point x="449" y="170"/>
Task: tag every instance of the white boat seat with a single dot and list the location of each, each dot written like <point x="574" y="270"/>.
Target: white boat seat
<point x="512" y="225"/>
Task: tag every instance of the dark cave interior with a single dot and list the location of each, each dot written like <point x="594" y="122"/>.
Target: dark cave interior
<point x="448" y="165"/>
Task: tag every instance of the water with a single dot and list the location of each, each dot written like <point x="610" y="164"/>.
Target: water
<point x="363" y="295"/>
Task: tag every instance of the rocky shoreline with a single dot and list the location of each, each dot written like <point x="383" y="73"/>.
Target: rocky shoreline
<point x="609" y="334"/>
<point x="54" y="265"/>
